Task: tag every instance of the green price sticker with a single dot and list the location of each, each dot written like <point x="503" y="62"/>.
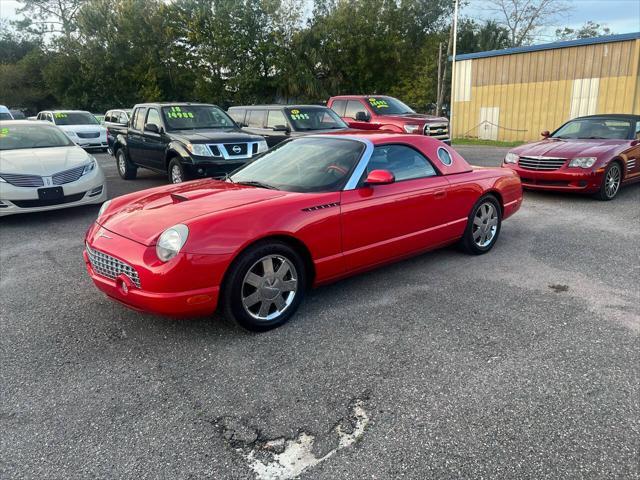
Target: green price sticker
<point x="378" y="103"/>
<point x="61" y="115"/>
<point x="4" y="132"/>
<point x="300" y="116"/>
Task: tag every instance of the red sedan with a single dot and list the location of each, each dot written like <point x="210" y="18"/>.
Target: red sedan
<point x="596" y="154"/>
<point x="308" y="212"/>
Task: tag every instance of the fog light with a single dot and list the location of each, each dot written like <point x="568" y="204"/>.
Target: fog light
<point x="124" y="284"/>
<point x="200" y="171"/>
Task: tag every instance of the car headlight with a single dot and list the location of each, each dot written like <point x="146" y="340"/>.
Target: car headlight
<point x="104" y="206"/>
<point x="583" y="162"/>
<point x="90" y="167"/>
<point x="171" y="241"/>
<point x="511" y="158"/>
<point x="199" y="149"/>
<point x="262" y="146"/>
<point x="411" y="128"/>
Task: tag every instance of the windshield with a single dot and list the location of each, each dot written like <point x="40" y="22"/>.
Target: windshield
<point x="314" y="119"/>
<point x="388" y="106"/>
<point x="304" y="164"/>
<point x="16" y="137"/>
<point x="193" y="117"/>
<point x="593" y="128"/>
<point x="74" y="118"/>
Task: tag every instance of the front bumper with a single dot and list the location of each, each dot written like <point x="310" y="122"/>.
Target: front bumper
<point x="89" y="189"/>
<point x="205" y="167"/>
<point x="562" y="180"/>
<point x="188" y="285"/>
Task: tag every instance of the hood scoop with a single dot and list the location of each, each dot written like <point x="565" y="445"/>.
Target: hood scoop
<point x="178" y="198"/>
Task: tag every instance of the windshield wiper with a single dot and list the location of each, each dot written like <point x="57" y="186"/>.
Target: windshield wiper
<point x="255" y="183"/>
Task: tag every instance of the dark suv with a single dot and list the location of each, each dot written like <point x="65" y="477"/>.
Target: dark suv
<point x="184" y="140"/>
<point x="279" y="122"/>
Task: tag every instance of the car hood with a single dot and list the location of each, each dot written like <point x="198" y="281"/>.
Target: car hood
<point x="568" y="148"/>
<point x="82" y="128"/>
<point x="147" y="216"/>
<point x="419" y="117"/>
<point x="42" y="161"/>
<point x="214" y="135"/>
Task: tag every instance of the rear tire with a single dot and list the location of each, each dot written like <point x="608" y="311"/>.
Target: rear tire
<point x="611" y="181"/>
<point x="264" y="286"/>
<point x="126" y="169"/>
<point x="483" y="226"/>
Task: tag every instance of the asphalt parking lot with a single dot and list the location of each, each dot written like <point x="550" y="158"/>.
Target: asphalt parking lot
<point x="522" y="363"/>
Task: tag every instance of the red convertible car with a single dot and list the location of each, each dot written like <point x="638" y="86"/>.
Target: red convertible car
<point x="595" y="154"/>
<point x="309" y="211"/>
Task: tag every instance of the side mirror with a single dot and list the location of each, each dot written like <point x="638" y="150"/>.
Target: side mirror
<point x="152" y="127"/>
<point x="362" y="117"/>
<point x="280" y="128"/>
<point x="545" y="133"/>
<point x="380" y="177"/>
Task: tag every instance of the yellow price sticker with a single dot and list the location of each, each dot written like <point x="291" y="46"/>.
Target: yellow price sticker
<point x="295" y="111"/>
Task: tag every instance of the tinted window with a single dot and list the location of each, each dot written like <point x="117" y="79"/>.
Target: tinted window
<point x="339" y="106"/>
<point x="138" y="123"/>
<point x="255" y="118"/>
<point x="404" y="162"/>
<point x="315" y="119"/>
<point x="353" y="107"/>
<point x="154" y="117"/>
<point x="388" y="106"/>
<point x="5" y="116"/>
<point x="193" y="117"/>
<point x="74" y="118"/>
<point x="16" y="137"/>
<point x="276" y="117"/>
<point x="305" y="164"/>
<point x="238" y="115"/>
<point x="596" y="128"/>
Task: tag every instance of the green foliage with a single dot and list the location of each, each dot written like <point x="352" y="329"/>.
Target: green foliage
<point x="481" y="37"/>
<point x="114" y="53"/>
<point x="588" y="30"/>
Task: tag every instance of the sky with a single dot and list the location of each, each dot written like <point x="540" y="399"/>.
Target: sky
<point x="621" y="16"/>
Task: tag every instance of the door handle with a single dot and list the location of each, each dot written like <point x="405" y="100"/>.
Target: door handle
<point x="440" y="194"/>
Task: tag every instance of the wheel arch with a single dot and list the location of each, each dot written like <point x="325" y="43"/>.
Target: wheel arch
<point x="621" y="163"/>
<point x="498" y="196"/>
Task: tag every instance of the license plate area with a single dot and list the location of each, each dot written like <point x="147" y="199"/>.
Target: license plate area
<point x="50" y="194"/>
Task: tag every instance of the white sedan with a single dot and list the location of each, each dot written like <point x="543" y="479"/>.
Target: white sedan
<point x="80" y="126"/>
<point x="42" y="169"/>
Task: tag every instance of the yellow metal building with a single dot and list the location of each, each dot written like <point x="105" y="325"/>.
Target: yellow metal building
<point x="514" y="94"/>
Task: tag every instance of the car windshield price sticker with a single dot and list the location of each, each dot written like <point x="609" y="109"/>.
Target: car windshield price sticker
<point x="4" y="132"/>
<point x="176" y="112"/>
<point x="296" y="115"/>
<point x="61" y="115"/>
<point x="378" y="103"/>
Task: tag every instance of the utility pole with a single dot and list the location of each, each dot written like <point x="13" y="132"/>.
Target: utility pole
<point x="440" y="86"/>
<point x="454" y="29"/>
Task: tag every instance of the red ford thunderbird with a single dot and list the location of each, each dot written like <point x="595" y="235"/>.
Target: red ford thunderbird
<point x="309" y="211"/>
<point x="595" y="154"/>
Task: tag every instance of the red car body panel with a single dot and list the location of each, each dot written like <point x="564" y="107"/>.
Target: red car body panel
<point x="340" y="233"/>
<point x="576" y="179"/>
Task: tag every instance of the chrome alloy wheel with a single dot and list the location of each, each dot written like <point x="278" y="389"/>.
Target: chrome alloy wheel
<point x="269" y="287"/>
<point x="122" y="163"/>
<point x="485" y="224"/>
<point x="176" y="174"/>
<point x="612" y="181"/>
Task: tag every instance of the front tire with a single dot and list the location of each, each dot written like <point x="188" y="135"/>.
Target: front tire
<point x="126" y="169"/>
<point x="264" y="286"/>
<point x="483" y="226"/>
<point x="611" y="181"/>
<point x="176" y="172"/>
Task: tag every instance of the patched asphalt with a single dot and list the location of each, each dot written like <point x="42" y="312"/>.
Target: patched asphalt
<point x="522" y="363"/>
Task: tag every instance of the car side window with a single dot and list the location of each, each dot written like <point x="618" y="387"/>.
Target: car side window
<point x="275" y="118"/>
<point x="638" y="129"/>
<point x="49" y="118"/>
<point x="255" y="118"/>
<point x="339" y="106"/>
<point x="404" y="162"/>
<point x="153" y="117"/>
<point x="353" y="107"/>
<point x="237" y="114"/>
<point x="121" y="118"/>
<point x="138" y="123"/>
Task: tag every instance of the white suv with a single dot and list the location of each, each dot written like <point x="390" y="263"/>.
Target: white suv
<point x="80" y="126"/>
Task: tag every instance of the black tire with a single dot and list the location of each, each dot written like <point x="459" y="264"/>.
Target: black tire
<point x="176" y="172"/>
<point x="474" y="240"/>
<point x="126" y="169"/>
<point x="105" y="150"/>
<point x="610" y="186"/>
<point x="238" y="286"/>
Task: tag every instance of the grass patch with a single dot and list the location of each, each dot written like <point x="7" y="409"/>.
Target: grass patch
<point x="487" y="143"/>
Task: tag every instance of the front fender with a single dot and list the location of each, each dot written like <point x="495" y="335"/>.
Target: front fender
<point x="392" y="128"/>
<point x="178" y="148"/>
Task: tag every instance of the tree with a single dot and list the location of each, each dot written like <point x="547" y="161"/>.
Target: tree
<point x="588" y="30"/>
<point x="50" y="16"/>
<point x="524" y="18"/>
<point x="481" y="37"/>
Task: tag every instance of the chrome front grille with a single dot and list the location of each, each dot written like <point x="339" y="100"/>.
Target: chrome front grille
<point x="437" y="130"/>
<point x="23" y="180"/>
<point x="67" y="176"/>
<point x="111" y="267"/>
<point x="541" y="163"/>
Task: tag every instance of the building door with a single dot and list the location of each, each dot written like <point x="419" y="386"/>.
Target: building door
<point x="489" y="117"/>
